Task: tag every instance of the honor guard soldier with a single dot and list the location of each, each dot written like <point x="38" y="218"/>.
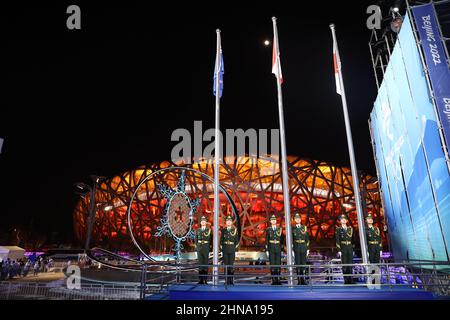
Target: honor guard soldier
<point x="373" y="236"/>
<point x="344" y="243"/>
<point x="274" y="245"/>
<point x="203" y="243"/>
<point x="300" y="239"/>
<point x="229" y="242"/>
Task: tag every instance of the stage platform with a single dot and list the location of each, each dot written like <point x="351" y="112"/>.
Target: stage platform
<point x="267" y="292"/>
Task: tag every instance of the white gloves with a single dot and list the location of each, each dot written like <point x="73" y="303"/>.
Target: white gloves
<point x="381" y="253"/>
<point x="307" y="252"/>
<point x="339" y="254"/>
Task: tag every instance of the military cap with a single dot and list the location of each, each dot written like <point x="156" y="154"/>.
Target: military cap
<point x="203" y="218"/>
<point x="369" y="216"/>
<point x="342" y="216"/>
<point x="273" y="217"/>
<point x="297" y="215"/>
<point x="229" y="218"/>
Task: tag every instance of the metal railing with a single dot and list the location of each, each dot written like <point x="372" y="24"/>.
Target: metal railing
<point x="422" y="275"/>
<point x="429" y="276"/>
<point x="10" y="290"/>
<point x="426" y="275"/>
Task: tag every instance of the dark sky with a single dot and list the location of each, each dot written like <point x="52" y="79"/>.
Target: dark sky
<point x="106" y="98"/>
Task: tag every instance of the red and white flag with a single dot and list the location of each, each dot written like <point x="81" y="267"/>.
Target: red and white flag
<point x="276" y="63"/>
<point x="337" y="68"/>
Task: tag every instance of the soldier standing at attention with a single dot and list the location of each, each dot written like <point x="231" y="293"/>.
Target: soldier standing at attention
<point x="344" y="236"/>
<point x="203" y="243"/>
<point x="300" y="239"/>
<point x="229" y="242"/>
<point x="274" y="245"/>
<point x="373" y="240"/>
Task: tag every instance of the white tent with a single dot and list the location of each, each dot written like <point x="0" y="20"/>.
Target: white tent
<point x="12" y="252"/>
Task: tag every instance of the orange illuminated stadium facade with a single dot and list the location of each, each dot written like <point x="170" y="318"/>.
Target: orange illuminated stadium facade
<point x="319" y="191"/>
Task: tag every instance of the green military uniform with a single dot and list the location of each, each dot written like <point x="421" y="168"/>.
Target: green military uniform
<point x="300" y="238"/>
<point x="229" y="242"/>
<point x="344" y="243"/>
<point x="203" y="244"/>
<point x="374" y="245"/>
<point x="274" y="245"/>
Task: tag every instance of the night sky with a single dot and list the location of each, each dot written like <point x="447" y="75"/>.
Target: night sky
<point x="106" y="98"/>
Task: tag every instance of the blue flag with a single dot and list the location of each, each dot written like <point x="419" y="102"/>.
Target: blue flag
<point x="221" y="72"/>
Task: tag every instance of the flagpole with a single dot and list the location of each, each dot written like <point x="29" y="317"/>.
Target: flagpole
<point x="359" y="211"/>
<point x="284" y="171"/>
<point x="216" y="168"/>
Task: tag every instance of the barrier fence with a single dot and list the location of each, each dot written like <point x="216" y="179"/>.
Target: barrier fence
<point x="10" y="290"/>
<point x="428" y="276"/>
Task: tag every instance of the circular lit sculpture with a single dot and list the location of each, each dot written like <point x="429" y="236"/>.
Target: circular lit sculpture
<point x="178" y="216"/>
<point x="319" y="191"/>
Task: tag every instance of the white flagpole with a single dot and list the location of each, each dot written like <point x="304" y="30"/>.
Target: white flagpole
<point x="216" y="167"/>
<point x="359" y="211"/>
<point x="284" y="171"/>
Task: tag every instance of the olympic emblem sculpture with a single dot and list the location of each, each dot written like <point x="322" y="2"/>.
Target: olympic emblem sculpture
<point x="178" y="216"/>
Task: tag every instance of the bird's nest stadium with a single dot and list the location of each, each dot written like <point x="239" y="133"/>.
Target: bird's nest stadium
<point x="320" y="191"/>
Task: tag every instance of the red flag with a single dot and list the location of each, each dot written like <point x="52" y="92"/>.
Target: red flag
<point x="276" y="63"/>
<point x="337" y="68"/>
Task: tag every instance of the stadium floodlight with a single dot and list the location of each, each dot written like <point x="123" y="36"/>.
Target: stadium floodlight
<point x="96" y="178"/>
<point x="397" y="6"/>
<point x="82" y="186"/>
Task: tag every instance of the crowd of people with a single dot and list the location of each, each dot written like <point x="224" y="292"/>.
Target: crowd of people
<point x="10" y="269"/>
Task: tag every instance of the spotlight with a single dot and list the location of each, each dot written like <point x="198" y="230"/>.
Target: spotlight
<point x="397" y="6"/>
<point x="266" y="42"/>
<point x="82" y="186"/>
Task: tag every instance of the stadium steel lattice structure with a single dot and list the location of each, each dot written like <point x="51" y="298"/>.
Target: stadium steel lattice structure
<point x="319" y="191"/>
